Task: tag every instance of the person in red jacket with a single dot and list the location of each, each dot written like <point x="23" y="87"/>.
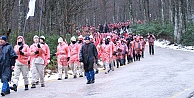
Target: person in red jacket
<point x="74" y="51"/>
<point x="130" y="52"/>
<point x="119" y="50"/>
<point x="143" y="42"/>
<point x="21" y="65"/>
<point x="38" y="61"/>
<point x="47" y="54"/>
<point x="112" y="49"/>
<point x="124" y="52"/>
<point x="151" y="39"/>
<point x="138" y="49"/>
<point x="106" y="49"/>
<point x="63" y="56"/>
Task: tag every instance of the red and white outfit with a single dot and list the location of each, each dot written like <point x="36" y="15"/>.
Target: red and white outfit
<point x="62" y="54"/>
<point x="21" y="65"/>
<point x="107" y="55"/>
<point x="74" y="54"/>
<point x="143" y="43"/>
<point x="38" y="62"/>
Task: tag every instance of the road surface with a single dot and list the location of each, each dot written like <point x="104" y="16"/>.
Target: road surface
<point x="167" y="74"/>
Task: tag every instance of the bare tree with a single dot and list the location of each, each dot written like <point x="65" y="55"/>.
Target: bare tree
<point x="180" y="20"/>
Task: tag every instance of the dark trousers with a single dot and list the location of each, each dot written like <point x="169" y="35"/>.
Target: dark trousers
<point x="119" y="63"/>
<point x="129" y="59"/>
<point x="122" y="62"/>
<point x="88" y="66"/>
<point x="142" y="54"/>
<point x="151" y="49"/>
<point x="5" y="87"/>
<point x="134" y="55"/>
<point x="138" y="56"/>
<point x="89" y="71"/>
<point x="90" y="75"/>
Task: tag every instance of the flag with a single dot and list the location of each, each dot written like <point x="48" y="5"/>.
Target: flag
<point x="31" y="7"/>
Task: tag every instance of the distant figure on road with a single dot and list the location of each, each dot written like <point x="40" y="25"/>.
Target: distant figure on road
<point x="138" y="48"/>
<point x="7" y="63"/>
<point x="88" y="54"/>
<point x="151" y="39"/>
<point x="143" y="43"/>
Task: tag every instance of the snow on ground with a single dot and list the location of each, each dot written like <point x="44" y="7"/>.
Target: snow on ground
<point x="166" y="44"/>
<point x="48" y="77"/>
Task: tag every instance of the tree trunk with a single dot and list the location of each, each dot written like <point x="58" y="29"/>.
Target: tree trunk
<point x="131" y="11"/>
<point x="170" y="11"/>
<point x="148" y="10"/>
<point x="180" y="20"/>
<point x="114" y="10"/>
<point x="162" y="11"/>
<point x="144" y="10"/>
<point x="176" y="27"/>
<point x="20" y="16"/>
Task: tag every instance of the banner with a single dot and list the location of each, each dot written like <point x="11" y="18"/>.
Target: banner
<point x="31" y="8"/>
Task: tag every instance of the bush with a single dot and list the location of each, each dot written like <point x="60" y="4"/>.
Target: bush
<point x="188" y="38"/>
<point x="159" y="30"/>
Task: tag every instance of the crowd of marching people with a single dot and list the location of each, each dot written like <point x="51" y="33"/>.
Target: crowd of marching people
<point x="112" y="44"/>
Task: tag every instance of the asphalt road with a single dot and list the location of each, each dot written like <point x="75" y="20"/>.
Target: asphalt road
<point x="167" y="74"/>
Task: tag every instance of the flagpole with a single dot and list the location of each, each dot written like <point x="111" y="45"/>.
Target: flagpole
<point x="40" y="23"/>
<point x="24" y="29"/>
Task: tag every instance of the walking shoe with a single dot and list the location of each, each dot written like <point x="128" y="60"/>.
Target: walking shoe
<point x="66" y="77"/>
<point x="33" y="86"/>
<point x="42" y="85"/>
<point x="106" y="72"/>
<point x="74" y="76"/>
<point x="88" y="82"/>
<point x="92" y="80"/>
<point x="14" y="87"/>
<point x="5" y="93"/>
<point x="96" y="72"/>
<point x="26" y="87"/>
<point x="80" y="75"/>
<point x="59" y="79"/>
<point x="37" y="82"/>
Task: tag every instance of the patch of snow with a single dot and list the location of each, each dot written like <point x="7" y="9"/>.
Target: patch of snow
<point x="168" y="45"/>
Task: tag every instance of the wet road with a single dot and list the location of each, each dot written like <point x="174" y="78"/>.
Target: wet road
<point x="167" y="74"/>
